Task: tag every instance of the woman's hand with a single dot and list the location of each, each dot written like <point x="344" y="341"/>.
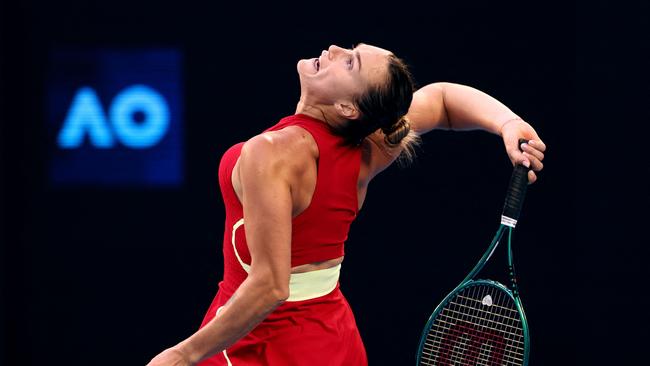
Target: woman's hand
<point x="533" y="151"/>
<point x="171" y="357"/>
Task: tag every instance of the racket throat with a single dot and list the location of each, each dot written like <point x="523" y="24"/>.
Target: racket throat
<point x="488" y="253"/>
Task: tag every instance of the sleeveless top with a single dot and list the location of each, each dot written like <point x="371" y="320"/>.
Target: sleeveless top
<point x="319" y="232"/>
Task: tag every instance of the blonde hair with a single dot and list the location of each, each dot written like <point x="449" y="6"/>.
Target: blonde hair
<point x="400" y="135"/>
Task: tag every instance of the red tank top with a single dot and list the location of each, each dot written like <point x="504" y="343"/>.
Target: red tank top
<point x="319" y="232"/>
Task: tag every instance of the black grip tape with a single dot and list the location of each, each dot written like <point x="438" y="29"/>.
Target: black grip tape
<point x="516" y="190"/>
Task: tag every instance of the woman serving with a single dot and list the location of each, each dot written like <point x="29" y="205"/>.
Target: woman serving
<point x="292" y="192"/>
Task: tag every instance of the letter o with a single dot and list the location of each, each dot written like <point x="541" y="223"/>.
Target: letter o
<point x="139" y="135"/>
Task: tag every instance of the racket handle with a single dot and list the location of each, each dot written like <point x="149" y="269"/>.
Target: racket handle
<point x="516" y="193"/>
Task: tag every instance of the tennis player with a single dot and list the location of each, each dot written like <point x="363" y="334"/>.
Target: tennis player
<point x="292" y="192"/>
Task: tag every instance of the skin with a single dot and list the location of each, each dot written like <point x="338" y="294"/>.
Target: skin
<point x="275" y="177"/>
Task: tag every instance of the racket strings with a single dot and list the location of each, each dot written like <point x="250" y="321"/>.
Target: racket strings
<point x="473" y="349"/>
<point x="464" y="334"/>
<point x="480" y="325"/>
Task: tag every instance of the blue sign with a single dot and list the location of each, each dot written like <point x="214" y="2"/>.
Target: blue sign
<point x="115" y="117"/>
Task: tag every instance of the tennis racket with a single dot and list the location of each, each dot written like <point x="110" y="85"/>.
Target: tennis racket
<point x="482" y="322"/>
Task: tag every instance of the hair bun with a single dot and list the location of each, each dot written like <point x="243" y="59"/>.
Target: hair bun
<point x="395" y="133"/>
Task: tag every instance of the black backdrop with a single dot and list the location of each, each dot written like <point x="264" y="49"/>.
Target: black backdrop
<point x="112" y="276"/>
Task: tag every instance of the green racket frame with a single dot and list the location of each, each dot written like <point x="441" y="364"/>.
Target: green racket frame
<point x="512" y="208"/>
<point x="469" y="281"/>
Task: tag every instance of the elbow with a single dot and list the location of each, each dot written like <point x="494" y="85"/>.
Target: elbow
<point x="276" y="295"/>
<point x="280" y="294"/>
<point x="278" y="286"/>
<point x="273" y="290"/>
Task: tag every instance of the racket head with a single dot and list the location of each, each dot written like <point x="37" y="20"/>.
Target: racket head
<point x="479" y="323"/>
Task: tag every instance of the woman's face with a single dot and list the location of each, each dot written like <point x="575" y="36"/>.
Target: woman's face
<point x="339" y="74"/>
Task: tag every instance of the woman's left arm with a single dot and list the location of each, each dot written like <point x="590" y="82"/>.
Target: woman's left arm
<point x="460" y="107"/>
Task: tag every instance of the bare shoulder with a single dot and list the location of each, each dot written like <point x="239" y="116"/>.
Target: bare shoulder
<point x="291" y="147"/>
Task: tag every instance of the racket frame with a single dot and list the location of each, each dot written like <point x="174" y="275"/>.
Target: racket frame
<point x="469" y="281"/>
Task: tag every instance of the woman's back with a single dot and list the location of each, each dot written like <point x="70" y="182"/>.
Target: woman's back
<point x="329" y="202"/>
<point x="315" y="318"/>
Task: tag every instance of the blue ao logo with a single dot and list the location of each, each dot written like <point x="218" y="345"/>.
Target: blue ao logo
<point x="138" y="118"/>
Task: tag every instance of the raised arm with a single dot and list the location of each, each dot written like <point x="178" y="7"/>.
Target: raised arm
<point x="265" y="173"/>
<point x="458" y="107"/>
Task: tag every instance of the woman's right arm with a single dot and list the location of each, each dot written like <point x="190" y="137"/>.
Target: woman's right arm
<point x="450" y="106"/>
<point x="265" y="176"/>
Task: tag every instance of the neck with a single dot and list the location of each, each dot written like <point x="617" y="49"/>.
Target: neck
<point x="310" y="110"/>
<point x="318" y="112"/>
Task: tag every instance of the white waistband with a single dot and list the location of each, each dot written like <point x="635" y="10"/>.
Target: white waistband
<point x="310" y="285"/>
<point x="302" y="286"/>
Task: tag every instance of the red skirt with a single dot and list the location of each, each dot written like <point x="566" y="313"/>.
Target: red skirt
<point x="315" y="332"/>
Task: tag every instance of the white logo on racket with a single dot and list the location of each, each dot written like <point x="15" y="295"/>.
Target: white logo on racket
<point x="487" y="300"/>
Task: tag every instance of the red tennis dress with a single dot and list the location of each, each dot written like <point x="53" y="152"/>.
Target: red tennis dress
<point x="319" y="330"/>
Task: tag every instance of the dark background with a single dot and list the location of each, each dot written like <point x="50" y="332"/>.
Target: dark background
<point x="113" y="276"/>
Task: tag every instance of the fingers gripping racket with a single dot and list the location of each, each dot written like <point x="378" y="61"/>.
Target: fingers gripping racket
<point x="482" y="322"/>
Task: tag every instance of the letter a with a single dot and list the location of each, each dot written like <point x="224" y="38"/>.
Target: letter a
<point x="85" y="116"/>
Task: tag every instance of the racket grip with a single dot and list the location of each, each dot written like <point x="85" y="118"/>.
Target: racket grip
<point x="516" y="193"/>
